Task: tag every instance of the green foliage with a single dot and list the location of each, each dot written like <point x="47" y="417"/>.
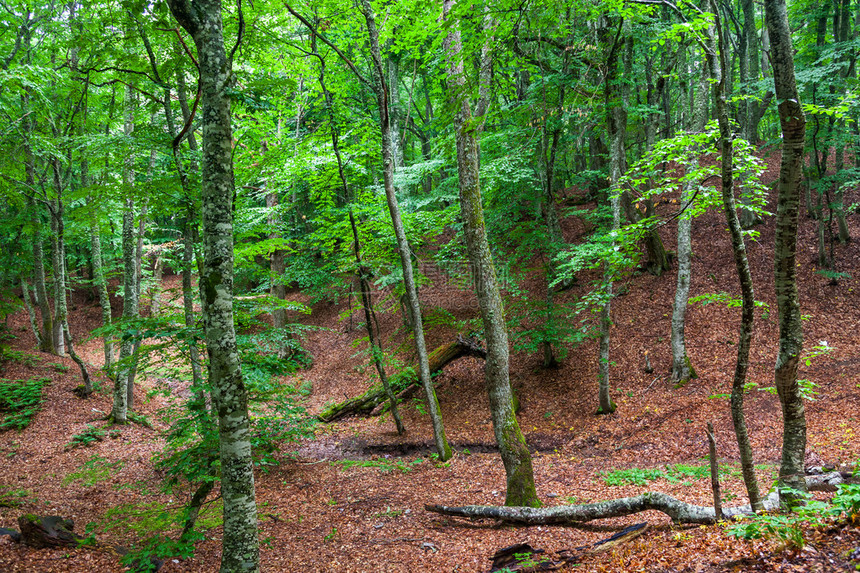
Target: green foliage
<point x="384" y="466"/>
<point x="94" y="470"/>
<point x="12" y="497"/>
<point x="632" y="476"/>
<point x="8" y="354"/>
<point x="847" y="502"/>
<point x="726" y="299"/>
<point x="673" y="473"/>
<point x="20" y="400"/>
<point x="89" y="436"/>
<point x="143" y="557"/>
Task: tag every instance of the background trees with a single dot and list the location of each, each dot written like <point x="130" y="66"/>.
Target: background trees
<point x="351" y="155"/>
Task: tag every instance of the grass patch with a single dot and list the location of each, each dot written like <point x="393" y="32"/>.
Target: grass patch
<point x="19" y="401"/>
<point x="11" y="497"/>
<point x="152" y="517"/>
<point x="384" y="466"/>
<point x="674" y="473"/>
<point x="94" y="470"/>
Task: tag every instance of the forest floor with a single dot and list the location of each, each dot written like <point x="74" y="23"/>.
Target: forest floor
<point x="352" y="499"/>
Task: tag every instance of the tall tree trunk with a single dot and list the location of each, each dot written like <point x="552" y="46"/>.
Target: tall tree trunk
<point x="793" y="124"/>
<point x="31" y="313"/>
<point x="682" y="368"/>
<point x="47" y="337"/>
<point x="240" y="552"/>
<point x="121" y="405"/>
<point x="361" y="271"/>
<point x="718" y="68"/>
<point x="119" y="413"/>
<point x="616" y="122"/>
<point x="442" y="447"/>
<point x="512" y="445"/>
<point x="58" y="266"/>
<point x="101" y="288"/>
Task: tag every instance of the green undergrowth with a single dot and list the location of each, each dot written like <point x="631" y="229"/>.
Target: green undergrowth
<point x="673" y="473"/>
<point x="384" y="466"/>
<point x="791" y="529"/>
<point x="95" y="470"/>
<point x="20" y="400"/>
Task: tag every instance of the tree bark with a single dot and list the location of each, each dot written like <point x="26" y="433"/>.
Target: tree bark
<point x="793" y="125"/>
<point x="679" y="511"/>
<point x="202" y="20"/>
<point x="367" y="402"/>
<point x="512" y="445"/>
<point x="382" y="96"/>
<point x="719" y="71"/>
<point x="101" y="288"/>
<point x="682" y="367"/>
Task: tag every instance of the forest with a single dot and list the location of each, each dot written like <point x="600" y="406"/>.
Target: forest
<point x="366" y="285"/>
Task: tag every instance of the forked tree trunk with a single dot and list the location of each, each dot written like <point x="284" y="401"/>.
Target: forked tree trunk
<point x="31" y="313"/>
<point x="512" y="445"/>
<point x="240" y="548"/>
<point x="793" y="126"/>
<point x="382" y="96"/>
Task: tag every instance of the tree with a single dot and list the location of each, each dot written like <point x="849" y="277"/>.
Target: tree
<point x="202" y="20"/>
<point x="793" y="124"/>
<point x="512" y="445"/>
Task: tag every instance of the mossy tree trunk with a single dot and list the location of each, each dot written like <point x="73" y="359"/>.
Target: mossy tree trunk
<point x="240" y="548"/>
<point x="793" y="125"/>
<point x="512" y="445"/>
<point x="716" y="61"/>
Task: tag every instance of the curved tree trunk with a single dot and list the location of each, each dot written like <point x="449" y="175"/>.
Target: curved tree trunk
<point x="512" y="445"/>
<point x="382" y="96"/>
<point x="717" y="66"/>
<point x="793" y="126"/>
<point x="202" y="20"/>
<point x="679" y="511"/>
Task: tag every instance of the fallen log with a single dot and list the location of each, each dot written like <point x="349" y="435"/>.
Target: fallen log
<point x="439" y="359"/>
<point x="679" y="511"/>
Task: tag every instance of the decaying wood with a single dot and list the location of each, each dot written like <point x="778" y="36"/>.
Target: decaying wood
<point x="523" y="557"/>
<point x="48" y="531"/>
<point x="439" y="358"/>
<point x="679" y="511"/>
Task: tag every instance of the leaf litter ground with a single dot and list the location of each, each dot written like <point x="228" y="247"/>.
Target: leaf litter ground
<point x="352" y="499"/>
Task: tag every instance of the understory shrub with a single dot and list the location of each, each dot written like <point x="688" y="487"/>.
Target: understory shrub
<point x="19" y="401"/>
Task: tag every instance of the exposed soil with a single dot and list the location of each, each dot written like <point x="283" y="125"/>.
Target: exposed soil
<point x="316" y="515"/>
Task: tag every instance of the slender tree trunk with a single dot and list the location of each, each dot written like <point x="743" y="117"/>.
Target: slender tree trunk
<point x="512" y="446"/>
<point x="442" y="447"/>
<point x="47" y="337"/>
<point x="793" y="123"/>
<point x="616" y="121"/>
<point x="119" y="413"/>
<point x="682" y="368"/>
<point x="31" y="313"/>
<point x="101" y="288"/>
<point x="718" y="69"/>
<point x="58" y="267"/>
<point x="202" y="19"/>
